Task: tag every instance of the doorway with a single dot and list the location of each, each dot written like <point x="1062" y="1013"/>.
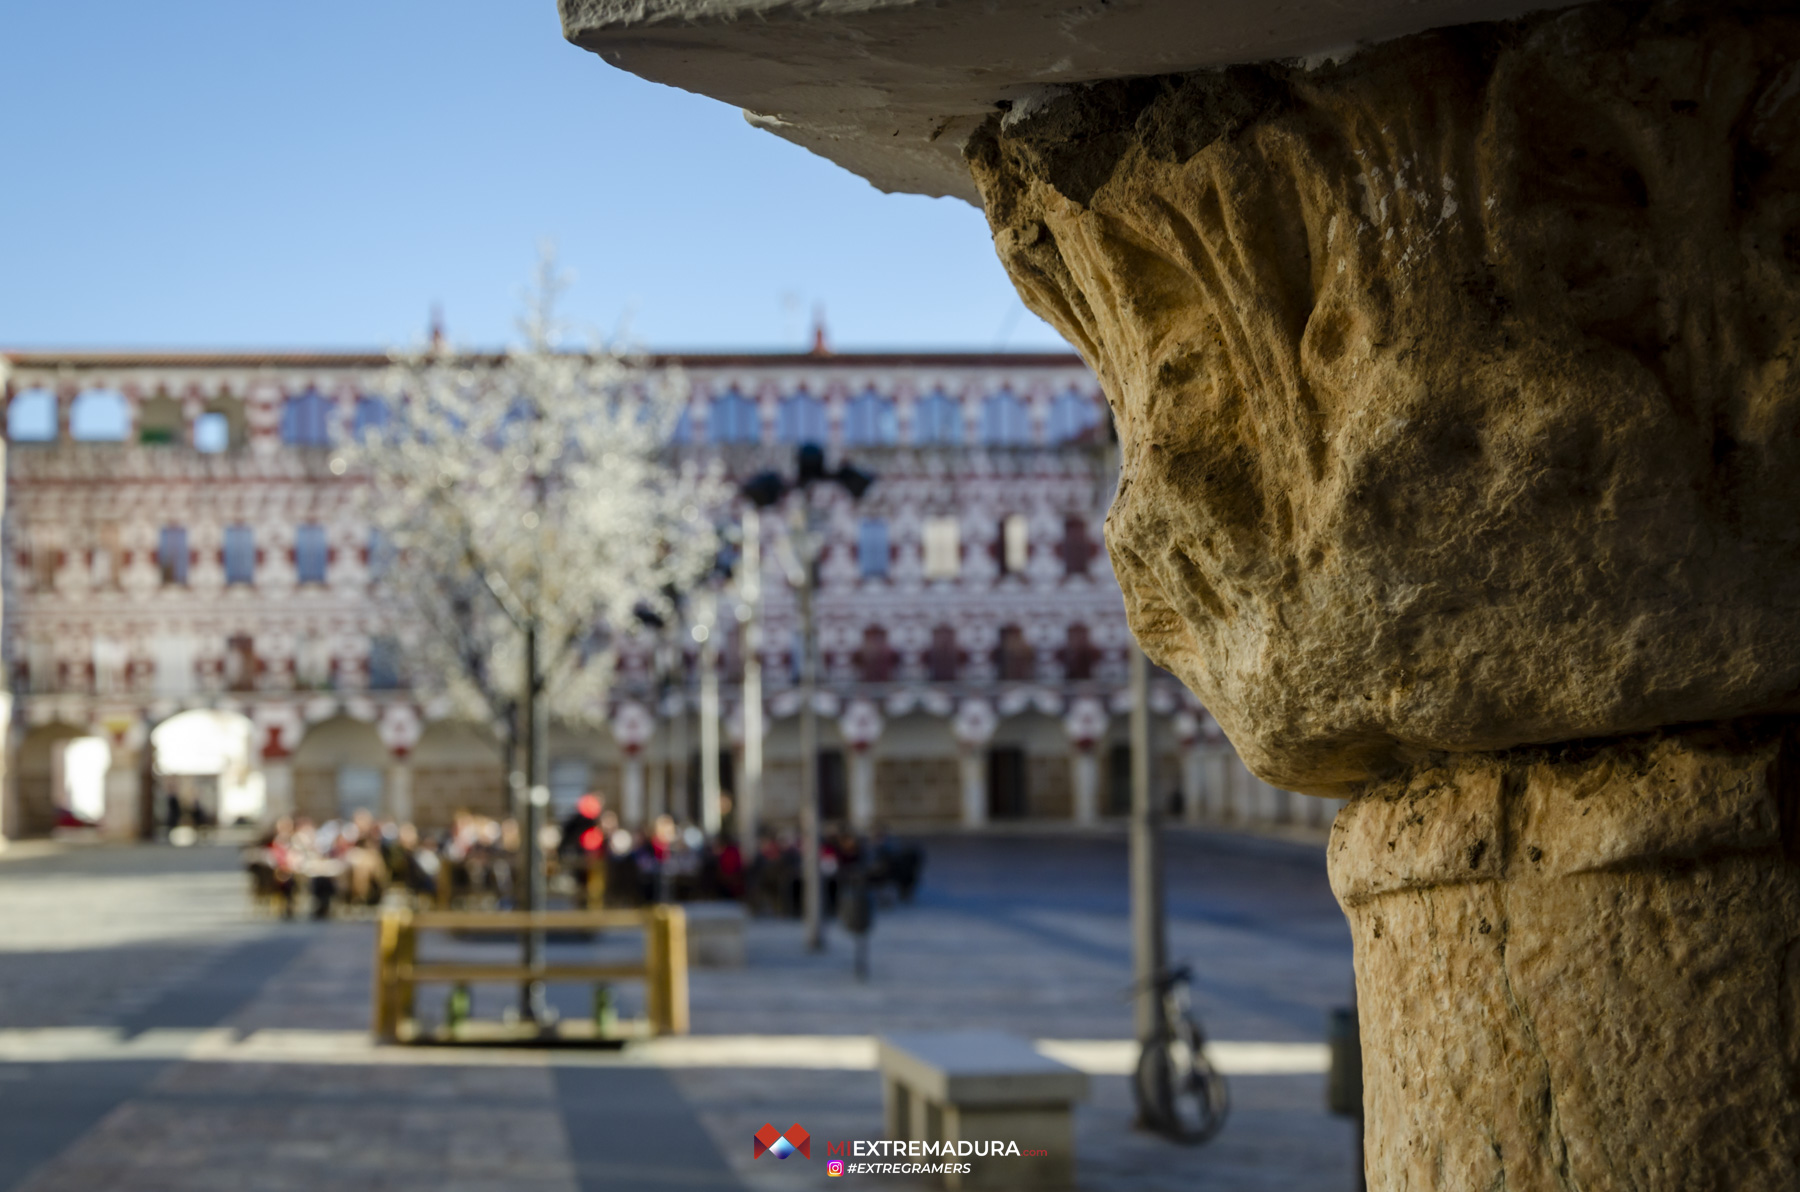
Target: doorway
<point x="1006" y="783"/>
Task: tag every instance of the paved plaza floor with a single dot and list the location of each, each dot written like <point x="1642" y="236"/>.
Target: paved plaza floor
<point x="156" y="1035"/>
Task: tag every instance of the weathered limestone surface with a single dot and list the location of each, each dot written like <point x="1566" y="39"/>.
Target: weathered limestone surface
<point x="1455" y="380"/>
<point x="1580" y="968"/>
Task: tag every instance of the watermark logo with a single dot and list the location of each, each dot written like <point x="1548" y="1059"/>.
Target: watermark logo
<point x="835" y="1167"/>
<point x="771" y="1141"/>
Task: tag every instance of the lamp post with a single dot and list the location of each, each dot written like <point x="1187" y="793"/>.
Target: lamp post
<point x="805" y="541"/>
<point x="536" y="798"/>
<point x="749" y="804"/>
<point x="1147" y="935"/>
<point x="705" y="632"/>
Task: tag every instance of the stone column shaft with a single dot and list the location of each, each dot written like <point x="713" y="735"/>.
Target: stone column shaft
<point x="399" y="791"/>
<point x="124" y="795"/>
<point x="1085" y="784"/>
<point x="1457" y="416"/>
<point x="972" y="763"/>
<point x="631" y="798"/>
<point x="278" y="788"/>
<point x="1581" y="968"/>
<point x="862" y="789"/>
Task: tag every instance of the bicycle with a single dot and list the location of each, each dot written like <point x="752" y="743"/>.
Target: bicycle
<point x="1179" y="1094"/>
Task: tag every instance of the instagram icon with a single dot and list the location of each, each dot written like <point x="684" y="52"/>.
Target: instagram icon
<point x="835" y="1167"/>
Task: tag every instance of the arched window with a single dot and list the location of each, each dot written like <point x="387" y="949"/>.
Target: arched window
<point x="734" y="418"/>
<point x="872" y="552"/>
<point x="1005" y="421"/>
<point x="1078" y="654"/>
<point x="312" y="553"/>
<point x="871" y="420"/>
<point x="306" y="420"/>
<point x="1077" y="548"/>
<point x="212" y="433"/>
<point x="100" y="416"/>
<point x="31" y="418"/>
<point x="875" y="661"/>
<point x="160" y="419"/>
<point x="240" y="555"/>
<point x="221" y="425"/>
<point x="941" y="660"/>
<point x="1015" y="659"/>
<point x="371" y="416"/>
<point x="801" y="419"/>
<point x="1072" y="416"/>
<point x="684" y="427"/>
<point x="937" y="419"/>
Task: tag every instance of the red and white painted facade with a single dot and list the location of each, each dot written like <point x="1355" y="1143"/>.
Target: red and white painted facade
<point x="972" y="637"/>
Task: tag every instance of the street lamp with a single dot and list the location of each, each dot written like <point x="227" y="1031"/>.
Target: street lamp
<point x="805" y="541"/>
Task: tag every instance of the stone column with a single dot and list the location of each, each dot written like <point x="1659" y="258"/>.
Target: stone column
<point x="124" y="795"/>
<point x="278" y="787"/>
<point x="126" y="738"/>
<point x="632" y="725"/>
<point x="399" y="789"/>
<point x="279" y="728"/>
<point x="1457" y="421"/>
<point x="400" y="728"/>
<point x="974" y="727"/>
<point x="1084" y="784"/>
<point x="631" y="798"/>
<point x="1579" y="967"/>
<point x="1086" y="724"/>
<point x="860" y="727"/>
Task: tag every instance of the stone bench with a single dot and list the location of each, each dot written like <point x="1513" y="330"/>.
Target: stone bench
<point x="978" y="1086"/>
<point x="715" y="934"/>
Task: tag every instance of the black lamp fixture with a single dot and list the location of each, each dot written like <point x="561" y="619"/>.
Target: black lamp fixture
<point x="767" y="488"/>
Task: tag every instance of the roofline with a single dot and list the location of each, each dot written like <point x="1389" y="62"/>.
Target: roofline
<point x="277" y="358"/>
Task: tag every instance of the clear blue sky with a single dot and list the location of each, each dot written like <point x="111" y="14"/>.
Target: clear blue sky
<point x="225" y="173"/>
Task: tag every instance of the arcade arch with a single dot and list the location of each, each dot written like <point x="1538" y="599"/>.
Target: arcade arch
<point x="204" y="760"/>
<point x="340" y="767"/>
<point x="39" y="775"/>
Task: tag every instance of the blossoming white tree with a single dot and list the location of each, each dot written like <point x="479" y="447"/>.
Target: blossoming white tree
<point x="531" y="510"/>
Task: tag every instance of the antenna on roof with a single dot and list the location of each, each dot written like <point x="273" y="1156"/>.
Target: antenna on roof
<point x="437" y="326"/>
<point x="820" y="347"/>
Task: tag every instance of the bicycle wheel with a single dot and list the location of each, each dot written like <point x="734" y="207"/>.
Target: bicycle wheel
<point x="1179" y="1094"/>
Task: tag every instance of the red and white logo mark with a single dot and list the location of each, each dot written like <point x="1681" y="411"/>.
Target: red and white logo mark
<point x="771" y="1141"/>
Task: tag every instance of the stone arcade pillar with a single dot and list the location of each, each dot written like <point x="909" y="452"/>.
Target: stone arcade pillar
<point x="279" y="728"/>
<point x="973" y="726"/>
<point x="1452" y="374"/>
<point x="1459" y="460"/>
<point x="1086" y="723"/>
<point x="632" y="725"/>
<point x="860" y="727"/>
<point x="400" y="729"/>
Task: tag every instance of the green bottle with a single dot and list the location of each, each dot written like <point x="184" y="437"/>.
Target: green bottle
<point x="606" y="1014"/>
<point x="456" y="1007"/>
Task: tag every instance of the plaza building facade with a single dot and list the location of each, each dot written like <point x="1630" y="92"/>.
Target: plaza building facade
<point x="183" y="544"/>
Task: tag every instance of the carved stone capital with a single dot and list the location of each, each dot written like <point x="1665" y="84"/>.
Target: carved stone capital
<point x="1454" y="380"/>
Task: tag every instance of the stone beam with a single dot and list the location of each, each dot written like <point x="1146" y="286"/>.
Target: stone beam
<point x="891" y="89"/>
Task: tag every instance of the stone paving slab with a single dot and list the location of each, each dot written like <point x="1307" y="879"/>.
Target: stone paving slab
<point x="1026" y="935"/>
